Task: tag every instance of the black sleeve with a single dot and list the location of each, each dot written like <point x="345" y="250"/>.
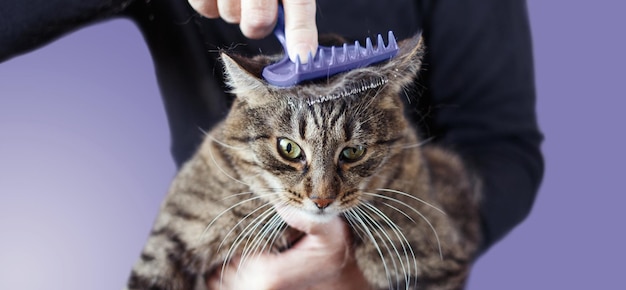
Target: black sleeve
<point x="26" y="25"/>
<point x="481" y="95"/>
<point x="478" y="96"/>
<point x="192" y="93"/>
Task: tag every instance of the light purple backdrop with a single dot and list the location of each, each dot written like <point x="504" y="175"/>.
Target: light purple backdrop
<point x="84" y="158"/>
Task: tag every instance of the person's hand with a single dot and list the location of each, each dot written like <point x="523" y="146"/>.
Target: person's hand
<point x="322" y="259"/>
<point x="257" y="19"/>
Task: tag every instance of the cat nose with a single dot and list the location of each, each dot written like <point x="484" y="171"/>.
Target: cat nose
<point x="322" y="203"/>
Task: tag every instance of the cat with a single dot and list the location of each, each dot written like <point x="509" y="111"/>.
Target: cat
<point x="337" y="146"/>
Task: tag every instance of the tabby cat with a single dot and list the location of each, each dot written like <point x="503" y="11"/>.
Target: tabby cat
<point x="338" y="146"/>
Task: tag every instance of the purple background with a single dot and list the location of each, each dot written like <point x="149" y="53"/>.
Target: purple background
<point x="84" y="158"/>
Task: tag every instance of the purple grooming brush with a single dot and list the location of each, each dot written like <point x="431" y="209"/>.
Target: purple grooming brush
<point x="328" y="60"/>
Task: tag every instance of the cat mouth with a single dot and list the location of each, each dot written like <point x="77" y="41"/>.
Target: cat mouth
<point x="313" y="213"/>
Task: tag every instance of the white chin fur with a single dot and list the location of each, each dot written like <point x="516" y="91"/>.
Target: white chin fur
<point x="318" y="217"/>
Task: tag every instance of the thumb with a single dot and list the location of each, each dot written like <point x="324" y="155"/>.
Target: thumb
<point x="300" y="28"/>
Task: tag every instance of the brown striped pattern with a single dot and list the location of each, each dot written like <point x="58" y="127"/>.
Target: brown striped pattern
<point x="221" y="202"/>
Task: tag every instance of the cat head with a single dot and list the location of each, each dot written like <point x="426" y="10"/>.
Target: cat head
<point x="317" y="146"/>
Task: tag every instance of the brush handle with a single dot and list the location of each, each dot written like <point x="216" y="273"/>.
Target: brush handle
<point x="279" y="29"/>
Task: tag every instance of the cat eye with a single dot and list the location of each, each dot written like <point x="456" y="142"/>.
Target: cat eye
<point x="288" y="149"/>
<point x="351" y="154"/>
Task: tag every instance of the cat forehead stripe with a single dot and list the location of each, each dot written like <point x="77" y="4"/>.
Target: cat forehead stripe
<point x="354" y="91"/>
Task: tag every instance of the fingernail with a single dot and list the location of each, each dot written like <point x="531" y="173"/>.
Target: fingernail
<point x="301" y="50"/>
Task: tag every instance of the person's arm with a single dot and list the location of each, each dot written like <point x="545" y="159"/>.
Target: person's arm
<point x="26" y="25"/>
<point x="480" y="85"/>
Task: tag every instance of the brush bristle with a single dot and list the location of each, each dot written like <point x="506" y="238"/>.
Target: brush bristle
<point x="330" y="60"/>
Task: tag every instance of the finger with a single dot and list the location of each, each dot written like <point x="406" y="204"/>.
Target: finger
<point x="207" y="8"/>
<point x="253" y="274"/>
<point x="334" y="233"/>
<point x="323" y="257"/>
<point x="229" y="10"/>
<point x="300" y="28"/>
<point x="258" y="17"/>
<point x="331" y="239"/>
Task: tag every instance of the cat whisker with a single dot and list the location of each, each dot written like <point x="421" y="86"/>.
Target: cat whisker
<point x="411" y="197"/>
<point x="403" y="241"/>
<point x="228" y="209"/>
<point x="269" y="232"/>
<point x="228" y="257"/>
<point x="250" y="247"/>
<point x="254" y="247"/>
<point x="233" y="246"/>
<point x="399" y="211"/>
<point x="405" y="92"/>
<point x="236" y="195"/>
<point x="278" y="226"/>
<point x="366" y="230"/>
<point x="415" y="211"/>
<point x="418" y="144"/>
<point x="353" y="226"/>
<point x="251" y="226"/>
<point x="210" y="137"/>
<point x="222" y="170"/>
<point x="245" y="234"/>
<point x="384" y="237"/>
<point x="287" y="213"/>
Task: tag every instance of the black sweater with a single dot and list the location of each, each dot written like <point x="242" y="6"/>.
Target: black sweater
<point x="477" y="85"/>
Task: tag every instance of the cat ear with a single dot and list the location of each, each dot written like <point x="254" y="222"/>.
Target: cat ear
<point x="243" y="77"/>
<point x="402" y="70"/>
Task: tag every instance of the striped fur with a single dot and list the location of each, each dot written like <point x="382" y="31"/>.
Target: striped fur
<point x="412" y="208"/>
